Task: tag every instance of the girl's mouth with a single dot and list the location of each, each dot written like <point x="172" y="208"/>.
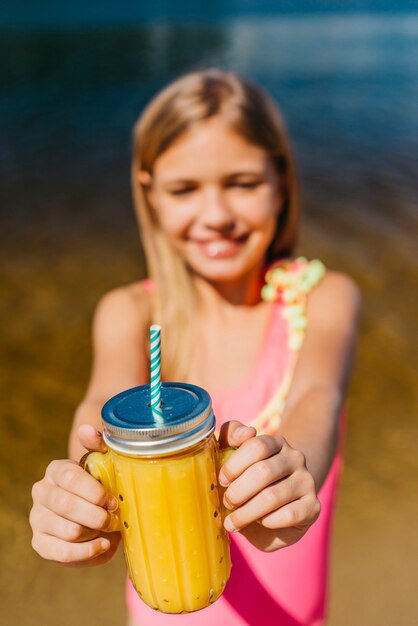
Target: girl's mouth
<point x="221" y="248"/>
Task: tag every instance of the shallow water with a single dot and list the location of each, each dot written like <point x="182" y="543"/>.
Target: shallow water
<point x="348" y="86"/>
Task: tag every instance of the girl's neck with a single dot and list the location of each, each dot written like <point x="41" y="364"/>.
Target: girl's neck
<point x="224" y="295"/>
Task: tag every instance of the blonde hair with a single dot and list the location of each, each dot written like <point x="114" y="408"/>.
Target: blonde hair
<point x="252" y="113"/>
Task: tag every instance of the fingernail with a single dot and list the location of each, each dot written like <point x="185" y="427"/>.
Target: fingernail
<point x="227" y="504"/>
<point x="112" y="504"/>
<point x="105" y="544"/>
<point x="223" y="479"/>
<point x="240" y="431"/>
<point x="229" y="525"/>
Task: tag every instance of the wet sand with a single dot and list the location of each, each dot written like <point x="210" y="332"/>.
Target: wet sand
<point x="375" y="549"/>
<point x="48" y="295"/>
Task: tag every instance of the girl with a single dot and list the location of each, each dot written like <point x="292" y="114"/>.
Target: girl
<point x="217" y="203"/>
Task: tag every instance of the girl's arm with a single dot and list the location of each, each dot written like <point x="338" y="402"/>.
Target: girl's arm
<point x="316" y="397"/>
<point x="72" y="517"/>
<point x="272" y="480"/>
<point x="119" y="355"/>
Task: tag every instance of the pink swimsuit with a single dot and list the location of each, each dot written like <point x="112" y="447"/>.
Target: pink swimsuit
<point x="283" y="588"/>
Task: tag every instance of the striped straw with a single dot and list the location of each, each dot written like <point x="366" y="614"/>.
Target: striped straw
<point x="155" y="362"/>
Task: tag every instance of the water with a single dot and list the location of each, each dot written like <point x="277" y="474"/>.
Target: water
<point x="347" y="85"/>
<point x="70" y="89"/>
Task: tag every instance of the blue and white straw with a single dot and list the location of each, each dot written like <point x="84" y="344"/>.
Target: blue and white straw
<point x="155" y="363"/>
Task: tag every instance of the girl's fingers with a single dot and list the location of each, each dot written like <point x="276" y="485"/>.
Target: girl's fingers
<point x="295" y="514"/>
<point x="70" y="477"/>
<point x="79" y="510"/>
<point x="91" y="438"/>
<point x="55" y="549"/>
<point x="56" y="526"/>
<point x="251" y="451"/>
<point x="267" y="501"/>
<point x="255" y="478"/>
<point x="234" y="434"/>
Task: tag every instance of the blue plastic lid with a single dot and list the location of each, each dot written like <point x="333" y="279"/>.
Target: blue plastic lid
<point x="130" y="427"/>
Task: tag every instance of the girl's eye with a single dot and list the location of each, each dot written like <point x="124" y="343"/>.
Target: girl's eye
<point x="247" y="184"/>
<point x="183" y="191"/>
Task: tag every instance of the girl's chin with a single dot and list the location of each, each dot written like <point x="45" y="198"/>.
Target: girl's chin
<point x="221" y="270"/>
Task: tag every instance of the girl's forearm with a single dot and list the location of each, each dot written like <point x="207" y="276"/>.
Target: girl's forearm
<point x="312" y="426"/>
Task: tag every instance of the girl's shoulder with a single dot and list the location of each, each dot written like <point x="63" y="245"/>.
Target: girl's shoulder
<point x="337" y="285"/>
<point x="335" y="301"/>
<point x="311" y="296"/>
<point x="293" y="279"/>
<point x="123" y="311"/>
<point x="119" y="326"/>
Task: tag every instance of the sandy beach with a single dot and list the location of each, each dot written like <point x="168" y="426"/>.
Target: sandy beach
<point x="48" y="299"/>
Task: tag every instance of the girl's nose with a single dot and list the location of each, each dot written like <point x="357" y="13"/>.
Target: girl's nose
<point x="216" y="213"/>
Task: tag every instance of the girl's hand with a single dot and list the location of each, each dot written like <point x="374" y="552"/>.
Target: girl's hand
<point x="270" y="492"/>
<point x="73" y="517"/>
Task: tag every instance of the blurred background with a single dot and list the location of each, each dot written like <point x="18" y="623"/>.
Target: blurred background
<point x="73" y="78"/>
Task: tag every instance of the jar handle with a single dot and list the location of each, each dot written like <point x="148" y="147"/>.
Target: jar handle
<point x="222" y="457"/>
<point x="100" y="466"/>
<point x="224" y="454"/>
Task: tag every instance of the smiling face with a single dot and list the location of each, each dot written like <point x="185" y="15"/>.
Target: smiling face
<point x="217" y="198"/>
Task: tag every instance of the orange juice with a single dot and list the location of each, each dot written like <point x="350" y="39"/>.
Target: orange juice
<point x="175" y="545"/>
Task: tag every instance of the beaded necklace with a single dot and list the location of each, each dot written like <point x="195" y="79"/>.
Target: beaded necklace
<point x="288" y="282"/>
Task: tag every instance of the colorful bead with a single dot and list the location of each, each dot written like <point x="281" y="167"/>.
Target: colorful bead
<point x="293" y="311"/>
<point x="269" y="293"/>
<point x="300" y="323"/>
<point x="274" y="423"/>
<point x="289" y="295"/>
<point x="295" y="341"/>
<point x="276" y="276"/>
